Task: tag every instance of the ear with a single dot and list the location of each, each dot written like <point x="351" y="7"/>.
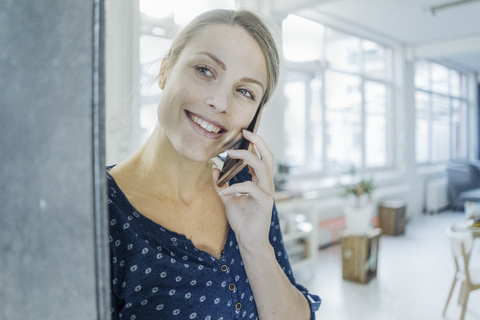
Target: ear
<point x="162" y="76"/>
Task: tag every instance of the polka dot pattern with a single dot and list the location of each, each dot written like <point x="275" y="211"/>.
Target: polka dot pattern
<point x="159" y="274"/>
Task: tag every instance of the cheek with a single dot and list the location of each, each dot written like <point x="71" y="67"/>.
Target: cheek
<point x="246" y="117"/>
<point x="171" y="102"/>
<point x="243" y="121"/>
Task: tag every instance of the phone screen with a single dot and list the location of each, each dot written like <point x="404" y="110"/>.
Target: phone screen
<point x="233" y="166"/>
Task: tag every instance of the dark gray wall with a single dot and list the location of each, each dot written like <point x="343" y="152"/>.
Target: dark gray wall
<point x="49" y="223"/>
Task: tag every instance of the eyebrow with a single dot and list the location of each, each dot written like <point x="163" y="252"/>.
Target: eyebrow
<point x="224" y="68"/>
<point x="250" y="80"/>
<point x="214" y="58"/>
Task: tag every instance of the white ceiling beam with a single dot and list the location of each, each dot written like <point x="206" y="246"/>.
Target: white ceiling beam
<point x="444" y="48"/>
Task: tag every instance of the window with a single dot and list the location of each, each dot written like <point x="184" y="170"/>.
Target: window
<point x="441" y="113"/>
<point x="338" y="96"/>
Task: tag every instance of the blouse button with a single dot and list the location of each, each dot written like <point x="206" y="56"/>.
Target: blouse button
<point x="224" y="268"/>
<point x="223" y="251"/>
<point x="231" y="286"/>
<point x="238" y="305"/>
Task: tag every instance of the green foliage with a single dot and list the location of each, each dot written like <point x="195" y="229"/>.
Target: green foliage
<point x="364" y="187"/>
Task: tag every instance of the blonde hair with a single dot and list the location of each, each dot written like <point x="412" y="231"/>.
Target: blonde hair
<point x="250" y="22"/>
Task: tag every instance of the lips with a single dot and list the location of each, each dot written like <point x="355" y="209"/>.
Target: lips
<point x="207" y="126"/>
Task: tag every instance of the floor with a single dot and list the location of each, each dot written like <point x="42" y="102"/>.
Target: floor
<point x="415" y="273"/>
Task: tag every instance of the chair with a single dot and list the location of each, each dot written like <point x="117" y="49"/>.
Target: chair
<point x="462" y="241"/>
<point x="334" y="225"/>
<point x="463" y="183"/>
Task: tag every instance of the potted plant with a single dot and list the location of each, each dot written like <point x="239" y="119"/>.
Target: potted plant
<point x="358" y="209"/>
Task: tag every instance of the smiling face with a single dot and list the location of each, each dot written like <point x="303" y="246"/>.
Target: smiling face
<point x="212" y="91"/>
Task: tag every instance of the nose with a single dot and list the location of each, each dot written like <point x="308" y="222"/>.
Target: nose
<point x="218" y="100"/>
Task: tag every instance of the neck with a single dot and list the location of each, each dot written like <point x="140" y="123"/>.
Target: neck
<point x="157" y="168"/>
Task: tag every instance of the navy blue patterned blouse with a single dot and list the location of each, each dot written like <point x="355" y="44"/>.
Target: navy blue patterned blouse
<point x="159" y="274"/>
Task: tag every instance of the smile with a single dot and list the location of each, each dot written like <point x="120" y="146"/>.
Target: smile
<point x="204" y="124"/>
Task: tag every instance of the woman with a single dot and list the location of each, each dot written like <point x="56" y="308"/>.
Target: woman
<point x="181" y="246"/>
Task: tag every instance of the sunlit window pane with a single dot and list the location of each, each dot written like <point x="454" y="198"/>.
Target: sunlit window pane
<point x="463" y="86"/>
<point x="422" y="75"/>
<point x="342" y="51"/>
<point x="375" y="124"/>
<point x="442" y="124"/>
<point x="184" y="11"/>
<point x="152" y="50"/>
<point x="422" y="104"/>
<point x="375" y="98"/>
<point x="376" y="60"/>
<point x="459" y="129"/>
<point x="439" y="78"/>
<point x="440" y="107"/>
<point x="315" y="158"/>
<point x="375" y="141"/>
<point x="440" y="128"/>
<point x="455" y="83"/>
<point x="345" y="108"/>
<point x="343" y="121"/>
<point x="302" y="39"/>
<point x="342" y="91"/>
<point x="344" y="141"/>
<point x="295" y="123"/>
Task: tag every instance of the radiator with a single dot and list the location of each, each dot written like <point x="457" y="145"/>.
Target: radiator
<point x="436" y="195"/>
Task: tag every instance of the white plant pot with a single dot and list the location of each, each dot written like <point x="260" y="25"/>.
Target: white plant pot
<point x="358" y="219"/>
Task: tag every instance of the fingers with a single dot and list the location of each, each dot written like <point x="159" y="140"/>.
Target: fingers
<point x="263" y="151"/>
<point x="216" y="175"/>
<point x="247" y="188"/>
<point x="260" y="159"/>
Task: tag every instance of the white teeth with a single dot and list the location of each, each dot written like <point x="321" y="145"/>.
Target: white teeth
<point x="205" y="125"/>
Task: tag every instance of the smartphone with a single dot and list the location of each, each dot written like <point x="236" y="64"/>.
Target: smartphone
<point x="233" y="166"/>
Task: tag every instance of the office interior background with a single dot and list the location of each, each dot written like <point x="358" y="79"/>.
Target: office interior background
<point x="390" y="88"/>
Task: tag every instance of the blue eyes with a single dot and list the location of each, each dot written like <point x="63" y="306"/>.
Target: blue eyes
<point x="207" y="73"/>
<point x="247" y="93"/>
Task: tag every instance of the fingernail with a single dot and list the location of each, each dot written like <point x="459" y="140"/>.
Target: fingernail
<point x="246" y="132"/>
<point x="231" y="151"/>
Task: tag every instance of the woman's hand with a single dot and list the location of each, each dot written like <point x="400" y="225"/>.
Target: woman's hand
<point x="249" y="215"/>
<point x="249" y="204"/>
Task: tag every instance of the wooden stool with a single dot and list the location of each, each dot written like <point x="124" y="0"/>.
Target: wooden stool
<point x="360" y="256"/>
<point x="392" y="217"/>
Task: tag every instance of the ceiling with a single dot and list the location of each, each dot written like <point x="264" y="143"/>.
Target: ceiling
<point x="450" y="35"/>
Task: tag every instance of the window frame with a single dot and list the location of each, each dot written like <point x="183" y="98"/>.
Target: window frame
<point x="462" y="98"/>
<point x="319" y="68"/>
